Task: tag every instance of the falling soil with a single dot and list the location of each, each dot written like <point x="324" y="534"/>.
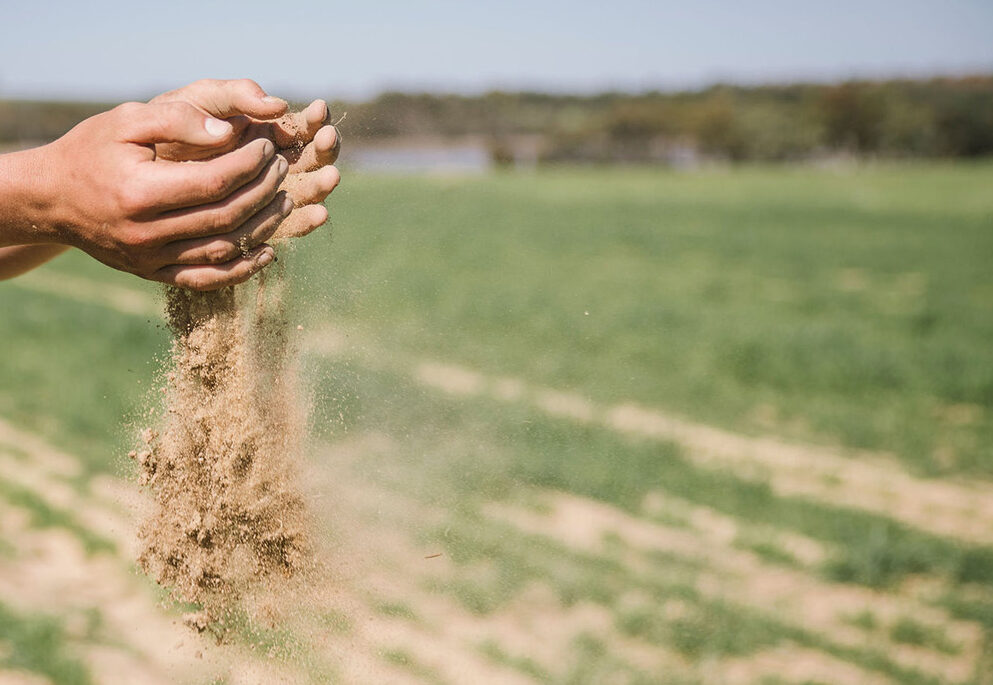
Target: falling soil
<point x="230" y="526"/>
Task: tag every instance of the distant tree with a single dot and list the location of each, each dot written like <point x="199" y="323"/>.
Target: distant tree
<point x="853" y="117"/>
<point x="715" y="125"/>
<point x="964" y="121"/>
<point x="501" y="153"/>
<point x="636" y="121"/>
<point x="947" y="117"/>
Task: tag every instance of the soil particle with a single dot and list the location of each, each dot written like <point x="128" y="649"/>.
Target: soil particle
<point x="230" y="521"/>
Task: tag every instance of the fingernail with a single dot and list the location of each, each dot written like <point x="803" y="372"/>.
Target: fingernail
<point x="282" y="165"/>
<point x="286" y="207"/>
<point x="329" y="178"/>
<point x="265" y="257"/>
<point x="272" y="99"/>
<point x="268" y="149"/>
<point x="217" y="127"/>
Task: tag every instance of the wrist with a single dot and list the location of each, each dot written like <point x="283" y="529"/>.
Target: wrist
<point x="28" y="198"/>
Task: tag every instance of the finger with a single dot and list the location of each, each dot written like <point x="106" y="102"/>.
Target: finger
<point x="299" y="128"/>
<point x="228" y="98"/>
<point x="169" y="185"/>
<point x="311" y="187"/>
<point x="301" y="222"/>
<point x="323" y="150"/>
<point x="182" y="152"/>
<point x="223" y="248"/>
<point x="224" y="216"/>
<point x="316" y="115"/>
<point x="171" y="122"/>
<point x="213" y="277"/>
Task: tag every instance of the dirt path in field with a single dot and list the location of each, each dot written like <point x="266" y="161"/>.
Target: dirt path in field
<point x="872" y="482"/>
<point x="437" y="640"/>
<point x="433" y="639"/>
<point x="740" y="577"/>
<point x="867" y="481"/>
<point x="388" y="567"/>
<point x="50" y="571"/>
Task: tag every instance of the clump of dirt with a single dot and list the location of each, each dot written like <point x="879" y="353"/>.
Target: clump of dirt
<point x="230" y="523"/>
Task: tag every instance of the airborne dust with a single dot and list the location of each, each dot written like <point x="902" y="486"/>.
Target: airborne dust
<point x="230" y="527"/>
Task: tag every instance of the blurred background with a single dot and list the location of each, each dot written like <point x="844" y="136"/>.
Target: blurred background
<point x="648" y="343"/>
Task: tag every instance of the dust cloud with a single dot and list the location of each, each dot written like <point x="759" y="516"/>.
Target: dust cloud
<point x="230" y="527"/>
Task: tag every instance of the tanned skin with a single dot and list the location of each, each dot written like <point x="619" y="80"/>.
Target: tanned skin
<point x="185" y="189"/>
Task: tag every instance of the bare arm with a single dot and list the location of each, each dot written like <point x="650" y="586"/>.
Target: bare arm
<point x="22" y="216"/>
<point x="51" y="198"/>
<point x="100" y="188"/>
<point x="18" y="259"/>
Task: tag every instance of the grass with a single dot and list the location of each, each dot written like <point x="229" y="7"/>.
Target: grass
<point x="439" y="462"/>
<point x="910" y="631"/>
<point x="711" y="628"/>
<point x="851" y="309"/>
<point x="45" y="516"/>
<point x="39" y="644"/>
<point x="50" y="384"/>
<point x="407" y="662"/>
<point x="524" y="664"/>
<point x="854" y="308"/>
<point x="395" y="609"/>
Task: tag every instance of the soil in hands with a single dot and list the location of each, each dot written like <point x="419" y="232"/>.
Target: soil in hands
<point x="230" y="528"/>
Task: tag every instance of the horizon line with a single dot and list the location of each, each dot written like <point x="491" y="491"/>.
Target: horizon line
<point x="426" y="87"/>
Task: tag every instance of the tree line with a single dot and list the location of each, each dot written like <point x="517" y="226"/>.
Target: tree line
<point x="940" y="117"/>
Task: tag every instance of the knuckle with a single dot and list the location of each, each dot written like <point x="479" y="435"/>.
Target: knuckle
<point x="215" y="222"/>
<point x="129" y="110"/>
<point x="247" y="84"/>
<point x="221" y="252"/>
<point x="132" y="197"/>
<point x="176" y="110"/>
<point x="198" y="280"/>
<point x="135" y="245"/>
<point x="224" y="219"/>
<point x="215" y="185"/>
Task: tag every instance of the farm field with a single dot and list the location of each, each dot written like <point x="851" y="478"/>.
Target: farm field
<point x="579" y="426"/>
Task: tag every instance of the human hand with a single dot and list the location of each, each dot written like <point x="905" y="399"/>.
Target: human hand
<point x="305" y="138"/>
<point x="312" y="149"/>
<point x="198" y="225"/>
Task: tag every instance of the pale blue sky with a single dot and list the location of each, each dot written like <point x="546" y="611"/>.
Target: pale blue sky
<point x="116" y="49"/>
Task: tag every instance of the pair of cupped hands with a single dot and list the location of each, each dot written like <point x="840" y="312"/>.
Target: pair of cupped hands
<point x="189" y="188"/>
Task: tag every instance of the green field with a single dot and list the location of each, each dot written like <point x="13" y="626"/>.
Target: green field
<point x="721" y="426"/>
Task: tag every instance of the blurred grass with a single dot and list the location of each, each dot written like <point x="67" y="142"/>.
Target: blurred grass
<point x="39" y="644"/>
<point x="851" y="308"/>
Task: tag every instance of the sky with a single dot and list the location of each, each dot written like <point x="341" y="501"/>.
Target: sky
<point x="110" y="49"/>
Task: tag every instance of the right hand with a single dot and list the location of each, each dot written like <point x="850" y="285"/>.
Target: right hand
<point x="198" y="225"/>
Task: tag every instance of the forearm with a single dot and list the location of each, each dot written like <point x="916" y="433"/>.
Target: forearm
<point x="19" y="259"/>
<point x="27" y="203"/>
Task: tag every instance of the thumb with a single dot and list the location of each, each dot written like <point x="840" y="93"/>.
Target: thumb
<point x="173" y="122"/>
